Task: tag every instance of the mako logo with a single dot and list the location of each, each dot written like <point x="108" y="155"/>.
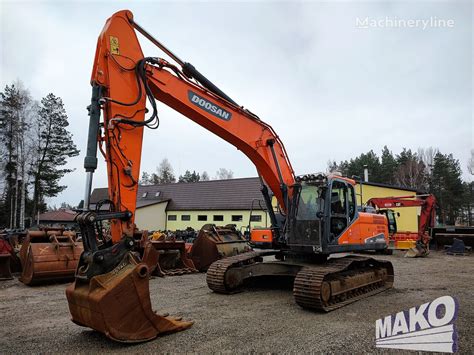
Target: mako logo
<point x="429" y="327"/>
<point x="209" y="106"/>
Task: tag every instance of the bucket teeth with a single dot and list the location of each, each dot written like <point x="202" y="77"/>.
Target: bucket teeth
<point x="118" y="304"/>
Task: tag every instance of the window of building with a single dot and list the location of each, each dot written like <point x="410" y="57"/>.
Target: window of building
<point x="256" y="218"/>
<point x="171" y="217"/>
<point x="202" y="217"/>
<point x="157" y="194"/>
<point x="185" y="217"/>
<point x="218" y="218"/>
<point x="145" y="194"/>
<point x="237" y="218"/>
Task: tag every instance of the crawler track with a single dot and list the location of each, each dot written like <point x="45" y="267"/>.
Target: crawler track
<point x="341" y="281"/>
<point x="217" y="271"/>
<point x="321" y="287"/>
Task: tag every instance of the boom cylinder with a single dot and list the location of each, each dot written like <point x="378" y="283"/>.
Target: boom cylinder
<point x="188" y="69"/>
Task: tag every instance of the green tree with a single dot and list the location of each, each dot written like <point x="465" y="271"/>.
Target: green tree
<point x="146" y="179"/>
<point x="447" y="186"/>
<point x="356" y="166"/>
<point x="388" y="167"/>
<point x="54" y="146"/>
<point x="189" y="177"/>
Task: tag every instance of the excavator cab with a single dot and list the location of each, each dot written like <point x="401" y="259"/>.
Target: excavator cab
<point x="307" y="222"/>
<point x="325" y="218"/>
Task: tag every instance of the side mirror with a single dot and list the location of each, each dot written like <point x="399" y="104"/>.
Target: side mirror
<point x="319" y="214"/>
<point x="398" y="214"/>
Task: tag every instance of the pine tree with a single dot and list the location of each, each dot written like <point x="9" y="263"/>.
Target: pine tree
<point x="189" y="177"/>
<point x="388" y="167"/>
<point x="447" y="187"/>
<point x="54" y="146"/>
<point x="146" y="179"/>
<point x="356" y="166"/>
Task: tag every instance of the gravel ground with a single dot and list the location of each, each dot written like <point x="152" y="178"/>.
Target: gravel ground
<point x="264" y="319"/>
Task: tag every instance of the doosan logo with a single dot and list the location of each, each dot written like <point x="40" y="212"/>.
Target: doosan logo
<point x="429" y="327"/>
<point x="209" y="107"/>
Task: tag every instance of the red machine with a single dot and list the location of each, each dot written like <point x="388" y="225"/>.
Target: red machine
<point x="427" y="220"/>
<point x="6" y="252"/>
<point x="318" y="215"/>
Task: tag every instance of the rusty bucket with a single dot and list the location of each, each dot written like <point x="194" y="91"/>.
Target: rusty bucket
<point x="49" y="255"/>
<point x="172" y="258"/>
<point x="214" y="243"/>
<point x="118" y="304"/>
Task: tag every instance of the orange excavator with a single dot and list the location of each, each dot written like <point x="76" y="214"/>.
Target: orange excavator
<point x="317" y="214"/>
<point x="427" y="203"/>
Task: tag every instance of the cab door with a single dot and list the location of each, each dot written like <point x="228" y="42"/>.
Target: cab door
<point x="342" y="213"/>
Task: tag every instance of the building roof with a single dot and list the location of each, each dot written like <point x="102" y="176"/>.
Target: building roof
<point x="146" y="203"/>
<point x="232" y="194"/>
<point x="61" y="215"/>
<point x="396" y="187"/>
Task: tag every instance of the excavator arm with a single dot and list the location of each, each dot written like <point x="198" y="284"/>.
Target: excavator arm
<point x="427" y="215"/>
<point x="122" y="79"/>
<point x="110" y="293"/>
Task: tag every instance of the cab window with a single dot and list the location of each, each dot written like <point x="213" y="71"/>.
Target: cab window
<point x="338" y="198"/>
<point x="351" y="202"/>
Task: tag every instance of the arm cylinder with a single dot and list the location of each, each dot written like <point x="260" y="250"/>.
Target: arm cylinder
<point x="90" y="161"/>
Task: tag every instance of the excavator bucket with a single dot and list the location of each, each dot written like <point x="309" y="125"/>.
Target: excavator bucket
<point x="172" y="258"/>
<point x="171" y="255"/>
<point x="118" y="304"/>
<point x="49" y="255"/>
<point x="418" y="251"/>
<point x="214" y="243"/>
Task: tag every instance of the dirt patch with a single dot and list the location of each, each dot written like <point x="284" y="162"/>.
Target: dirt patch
<point x="262" y="319"/>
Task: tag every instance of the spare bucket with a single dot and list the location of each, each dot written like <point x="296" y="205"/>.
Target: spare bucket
<point x="214" y="243"/>
<point x="49" y="255"/>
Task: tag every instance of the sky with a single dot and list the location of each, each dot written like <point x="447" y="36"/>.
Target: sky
<point x="334" y="79"/>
